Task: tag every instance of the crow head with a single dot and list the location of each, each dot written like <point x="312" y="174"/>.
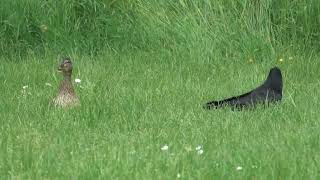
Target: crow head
<point x="274" y="80"/>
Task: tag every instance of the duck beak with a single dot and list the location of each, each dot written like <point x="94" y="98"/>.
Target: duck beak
<point x="59" y="69"/>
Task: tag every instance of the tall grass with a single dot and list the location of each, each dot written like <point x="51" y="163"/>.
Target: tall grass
<point x="90" y="26"/>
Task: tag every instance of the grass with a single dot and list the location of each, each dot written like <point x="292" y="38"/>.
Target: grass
<point x="144" y="81"/>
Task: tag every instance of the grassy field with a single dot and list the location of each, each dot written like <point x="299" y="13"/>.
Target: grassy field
<point x="146" y="68"/>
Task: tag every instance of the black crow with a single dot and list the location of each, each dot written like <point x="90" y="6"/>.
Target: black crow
<point x="270" y="91"/>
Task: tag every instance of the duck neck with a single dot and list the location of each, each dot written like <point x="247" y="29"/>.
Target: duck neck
<point x="66" y="85"/>
<point x="67" y="78"/>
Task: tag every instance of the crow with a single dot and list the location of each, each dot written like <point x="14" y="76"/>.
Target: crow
<point x="269" y="92"/>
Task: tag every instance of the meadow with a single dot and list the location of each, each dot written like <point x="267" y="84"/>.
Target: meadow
<point x="146" y="69"/>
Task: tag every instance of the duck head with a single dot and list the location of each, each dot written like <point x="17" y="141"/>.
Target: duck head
<point x="65" y="67"/>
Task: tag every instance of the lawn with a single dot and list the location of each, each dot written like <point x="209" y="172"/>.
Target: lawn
<point x="141" y="96"/>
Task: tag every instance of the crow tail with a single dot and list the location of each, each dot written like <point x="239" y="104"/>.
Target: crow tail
<point x="213" y="105"/>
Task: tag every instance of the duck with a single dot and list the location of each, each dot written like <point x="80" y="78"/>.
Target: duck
<point x="66" y="96"/>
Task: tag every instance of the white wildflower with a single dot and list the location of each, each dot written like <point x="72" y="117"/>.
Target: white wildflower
<point x="77" y="80"/>
<point x="198" y="147"/>
<point x="200" y="151"/>
<point x="25" y="91"/>
<point x="165" y="147"/>
<point x="239" y="168"/>
<point x="178" y="175"/>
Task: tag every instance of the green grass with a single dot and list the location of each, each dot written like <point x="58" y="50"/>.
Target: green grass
<point x="146" y="69"/>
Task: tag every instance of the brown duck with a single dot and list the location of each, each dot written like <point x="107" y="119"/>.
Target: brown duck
<point x="66" y="96"/>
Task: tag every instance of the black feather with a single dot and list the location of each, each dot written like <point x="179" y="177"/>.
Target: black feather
<point x="269" y="92"/>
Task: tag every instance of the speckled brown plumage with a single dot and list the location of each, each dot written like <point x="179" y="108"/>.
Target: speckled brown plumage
<point x="66" y="96"/>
